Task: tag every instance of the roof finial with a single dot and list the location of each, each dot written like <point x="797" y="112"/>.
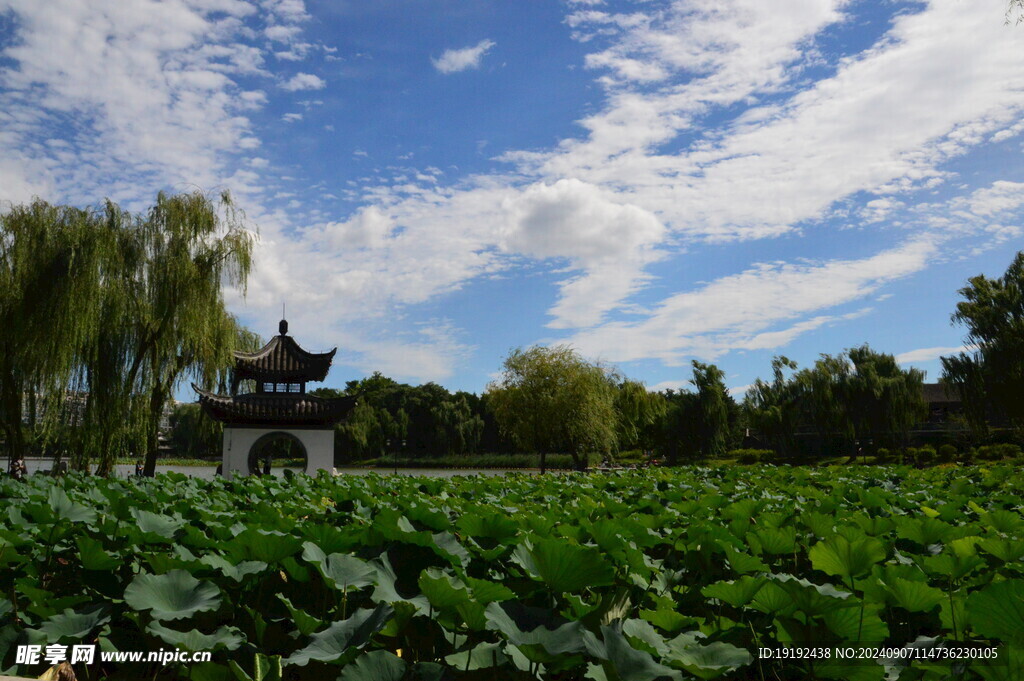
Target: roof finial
<point x="283" y="326"/>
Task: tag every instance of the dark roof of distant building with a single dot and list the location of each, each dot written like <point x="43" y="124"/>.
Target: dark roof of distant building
<point x="283" y="360"/>
<point x="939" y="392"/>
<point x="275" y="408"/>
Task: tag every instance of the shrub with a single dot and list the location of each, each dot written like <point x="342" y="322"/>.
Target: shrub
<point x="883" y="455"/>
<point x="750" y="456"/>
<point x="989" y="453"/>
<point x="947" y="453"/>
<point x="1008" y="450"/>
<point x="924" y="455"/>
<point x="1005" y="450"/>
<point x="632" y="456"/>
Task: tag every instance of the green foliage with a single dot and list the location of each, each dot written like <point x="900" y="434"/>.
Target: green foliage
<point x="51" y="261"/>
<point x="750" y="456"/>
<point x="772" y="408"/>
<point x="697" y="425"/>
<point x="638" y="415"/>
<point x="998" y="452"/>
<point x="552" y="400"/>
<point x="713" y="402"/>
<point x="662" y="573"/>
<point x="991" y="377"/>
<point x="174" y="595"/>
<point x="398" y="420"/>
<point x="851" y="399"/>
<point x="120" y="308"/>
<point x="193" y="434"/>
<point x="947" y="453"/>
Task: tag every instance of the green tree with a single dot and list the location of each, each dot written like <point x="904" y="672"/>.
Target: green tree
<point x="638" y="412"/>
<point x="193" y="433"/>
<point x="698" y="425"/>
<point x="458" y="429"/>
<point x="992" y="376"/>
<point x="50" y="277"/>
<point x="713" y="405"/>
<point x="884" y="401"/>
<point x="163" y="317"/>
<point x="550" y="399"/>
<point x="820" y="395"/>
<point x="677" y="430"/>
<point x="773" y="408"/>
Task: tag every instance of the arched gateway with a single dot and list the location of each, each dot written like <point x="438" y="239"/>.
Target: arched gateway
<point x="280" y="405"/>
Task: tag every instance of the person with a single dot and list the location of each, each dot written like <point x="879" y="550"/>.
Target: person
<point x="220" y="469"/>
<point x="266" y="466"/>
<point x="138" y="469"/>
<point x="18" y="469"/>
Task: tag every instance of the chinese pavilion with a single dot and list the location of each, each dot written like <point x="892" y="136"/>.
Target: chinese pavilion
<point x="280" y="406"/>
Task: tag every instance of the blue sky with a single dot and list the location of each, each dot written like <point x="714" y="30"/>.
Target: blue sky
<point x="435" y="183"/>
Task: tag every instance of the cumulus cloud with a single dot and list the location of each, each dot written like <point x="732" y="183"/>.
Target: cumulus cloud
<point x="453" y="61"/>
<point x="999" y="198"/>
<point x="610" y="241"/>
<point x="304" y="81"/>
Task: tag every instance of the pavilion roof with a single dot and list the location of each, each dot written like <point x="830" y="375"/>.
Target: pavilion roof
<point x="283" y="360"/>
<point x="275" y="408"/>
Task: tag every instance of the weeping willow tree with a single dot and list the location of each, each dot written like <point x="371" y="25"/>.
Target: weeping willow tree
<point x="884" y="400"/>
<point x="120" y="307"/>
<point x="551" y="399"/>
<point x="820" y="392"/>
<point x="51" y="272"/>
<point x="773" y="408"/>
<point x="990" y="379"/>
<point x="638" y="412"/>
<point x="164" y="317"/>
<point x="713" y="403"/>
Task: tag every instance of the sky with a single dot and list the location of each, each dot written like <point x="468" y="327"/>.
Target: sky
<point x="436" y="182"/>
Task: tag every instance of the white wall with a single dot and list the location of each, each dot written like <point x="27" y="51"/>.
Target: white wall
<point x="319" y="444"/>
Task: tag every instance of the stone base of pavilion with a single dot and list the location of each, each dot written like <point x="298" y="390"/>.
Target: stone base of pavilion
<point x="242" y="445"/>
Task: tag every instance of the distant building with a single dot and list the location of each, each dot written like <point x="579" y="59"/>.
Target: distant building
<point x="944" y="417"/>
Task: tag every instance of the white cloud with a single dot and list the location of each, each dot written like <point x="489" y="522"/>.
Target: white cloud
<point x="291" y="117"/>
<point x="304" y="81"/>
<point x="1001" y="197"/>
<point x="572" y="219"/>
<point x="150" y="86"/>
<point x="791" y="161"/>
<point x="646" y="176"/>
<point x="453" y="61"/>
<point x="746" y="310"/>
<point x="928" y="354"/>
<point x="610" y="241"/>
<point x="282" y="33"/>
<point x="679" y="384"/>
<point x="368" y="229"/>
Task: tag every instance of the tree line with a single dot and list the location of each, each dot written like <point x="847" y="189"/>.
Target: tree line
<point x="552" y="400"/>
<point x="103" y="312"/>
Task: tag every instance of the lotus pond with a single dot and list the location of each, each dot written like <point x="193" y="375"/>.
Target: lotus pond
<point x="633" y="576"/>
